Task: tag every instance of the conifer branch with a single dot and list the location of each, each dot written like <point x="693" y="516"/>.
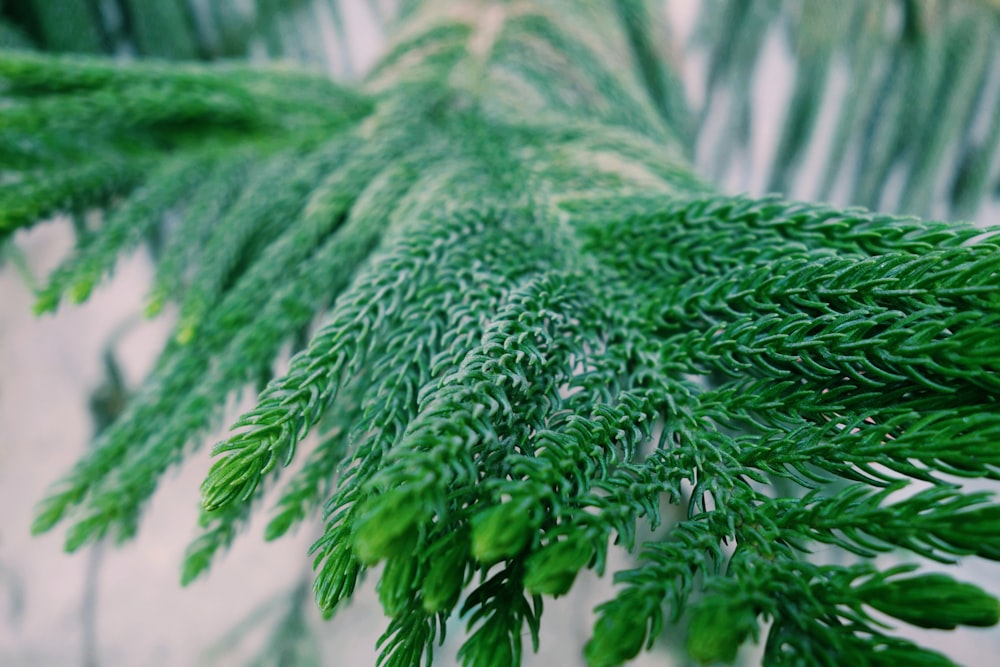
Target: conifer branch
<point x="538" y="327"/>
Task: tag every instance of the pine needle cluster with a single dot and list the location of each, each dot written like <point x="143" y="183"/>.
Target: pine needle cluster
<point x="539" y="329"/>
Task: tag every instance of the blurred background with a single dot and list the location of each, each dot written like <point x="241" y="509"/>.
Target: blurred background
<point x="888" y="104"/>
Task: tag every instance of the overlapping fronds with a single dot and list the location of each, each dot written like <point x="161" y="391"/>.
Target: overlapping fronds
<point x="538" y="329"/>
<point x="257" y="168"/>
<point x="311" y="31"/>
<point x="78" y="133"/>
<point x="910" y="89"/>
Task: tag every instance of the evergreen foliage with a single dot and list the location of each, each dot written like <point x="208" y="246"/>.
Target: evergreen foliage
<point x="539" y="329"/>
<point x="178" y="29"/>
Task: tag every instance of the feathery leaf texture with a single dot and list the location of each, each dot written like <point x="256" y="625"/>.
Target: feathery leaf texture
<point x="538" y="329"/>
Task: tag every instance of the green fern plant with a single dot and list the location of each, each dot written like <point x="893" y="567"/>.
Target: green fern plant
<point x="539" y="328"/>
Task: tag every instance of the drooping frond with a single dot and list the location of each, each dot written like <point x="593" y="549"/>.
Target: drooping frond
<point x="538" y="327"/>
<point x="910" y="90"/>
<point x="307" y="31"/>
<point x="77" y="133"/>
<point x="234" y="157"/>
